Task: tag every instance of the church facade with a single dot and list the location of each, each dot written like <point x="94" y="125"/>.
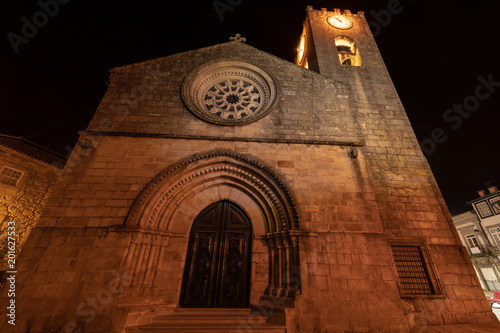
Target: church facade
<point x="226" y="179"/>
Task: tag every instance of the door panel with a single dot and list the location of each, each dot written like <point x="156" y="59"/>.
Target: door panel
<point x="236" y="219"/>
<point x="217" y="272"/>
<point x="201" y="270"/>
<point x="234" y="276"/>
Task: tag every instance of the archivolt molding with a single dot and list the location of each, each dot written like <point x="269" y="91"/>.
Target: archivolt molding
<point x="171" y="201"/>
<point x="169" y="189"/>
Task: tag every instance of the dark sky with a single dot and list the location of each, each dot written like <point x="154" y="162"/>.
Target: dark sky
<point x="435" y="52"/>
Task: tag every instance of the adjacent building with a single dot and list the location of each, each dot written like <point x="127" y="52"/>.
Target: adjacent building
<point x="479" y="230"/>
<point x="28" y="174"/>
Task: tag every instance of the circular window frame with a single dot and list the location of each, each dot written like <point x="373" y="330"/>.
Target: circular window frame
<point x="336" y="26"/>
<point x="200" y="80"/>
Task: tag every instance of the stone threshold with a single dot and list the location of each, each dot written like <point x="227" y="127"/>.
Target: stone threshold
<point x="461" y="328"/>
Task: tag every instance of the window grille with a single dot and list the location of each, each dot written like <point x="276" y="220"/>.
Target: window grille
<point x="495" y="203"/>
<point x="484" y="209"/>
<point x="10" y="176"/>
<point x="495" y="233"/>
<point x="472" y="241"/>
<point x="412" y="271"/>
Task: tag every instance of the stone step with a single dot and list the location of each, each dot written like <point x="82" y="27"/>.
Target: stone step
<point x="196" y="320"/>
<point x="251" y="319"/>
<point x="269" y="328"/>
<point x="235" y="312"/>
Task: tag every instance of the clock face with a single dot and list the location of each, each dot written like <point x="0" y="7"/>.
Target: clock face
<point x="340" y="22"/>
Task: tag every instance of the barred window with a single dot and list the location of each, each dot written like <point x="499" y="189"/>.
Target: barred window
<point x="413" y="275"/>
<point x="484" y="209"/>
<point x="10" y="176"/>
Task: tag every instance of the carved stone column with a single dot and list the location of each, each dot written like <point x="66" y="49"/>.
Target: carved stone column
<point x="295" y="281"/>
<point x="270" y="248"/>
<point x="285" y="264"/>
<point x="143" y="260"/>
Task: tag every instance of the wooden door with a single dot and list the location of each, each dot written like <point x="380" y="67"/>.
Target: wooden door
<point x="217" y="270"/>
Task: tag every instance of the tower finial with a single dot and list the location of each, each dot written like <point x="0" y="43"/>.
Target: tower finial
<point x="237" y="38"/>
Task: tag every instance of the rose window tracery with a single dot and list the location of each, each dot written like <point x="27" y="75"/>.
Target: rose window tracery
<point x="232" y="99"/>
<point x="228" y="92"/>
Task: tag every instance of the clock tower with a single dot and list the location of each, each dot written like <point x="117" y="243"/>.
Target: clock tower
<point x="414" y="219"/>
<point x="334" y="40"/>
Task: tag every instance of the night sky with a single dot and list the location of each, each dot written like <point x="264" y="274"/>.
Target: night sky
<point x="436" y="52"/>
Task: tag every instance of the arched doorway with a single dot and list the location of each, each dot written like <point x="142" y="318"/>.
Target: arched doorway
<point x="164" y="212"/>
<point x="217" y="269"/>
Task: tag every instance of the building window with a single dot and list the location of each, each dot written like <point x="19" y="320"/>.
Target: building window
<point x="483" y="209"/>
<point x="473" y="244"/>
<point x="472" y="241"/>
<point x="301" y="49"/>
<point x="495" y="233"/>
<point x="413" y="274"/>
<point x="10" y="176"/>
<point x="495" y="203"/>
<point x="348" y="51"/>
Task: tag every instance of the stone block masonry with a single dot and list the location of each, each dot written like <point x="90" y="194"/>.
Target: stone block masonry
<point x="332" y="180"/>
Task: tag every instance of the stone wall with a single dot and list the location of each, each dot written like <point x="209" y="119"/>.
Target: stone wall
<point x="409" y="202"/>
<point x="79" y="245"/>
<point x="23" y="204"/>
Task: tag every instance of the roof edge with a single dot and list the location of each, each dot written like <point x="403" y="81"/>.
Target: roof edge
<point x="119" y="68"/>
<point x="33" y="144"/>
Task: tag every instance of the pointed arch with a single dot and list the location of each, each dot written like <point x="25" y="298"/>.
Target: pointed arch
<point x="348" y="51"/>
<point x="170" y="203"/>
<point x="217" y="269"/>
<point x="174" y="197"/>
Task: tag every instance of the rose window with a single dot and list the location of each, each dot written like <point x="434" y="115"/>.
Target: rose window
<point x="232" y="99"/>
<point x="229" y="92"/>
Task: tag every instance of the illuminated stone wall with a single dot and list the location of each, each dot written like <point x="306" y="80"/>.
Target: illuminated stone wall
<point x="333" y="171"/>
<point x="409" y="202"/>
<point x="24" y="202"/>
